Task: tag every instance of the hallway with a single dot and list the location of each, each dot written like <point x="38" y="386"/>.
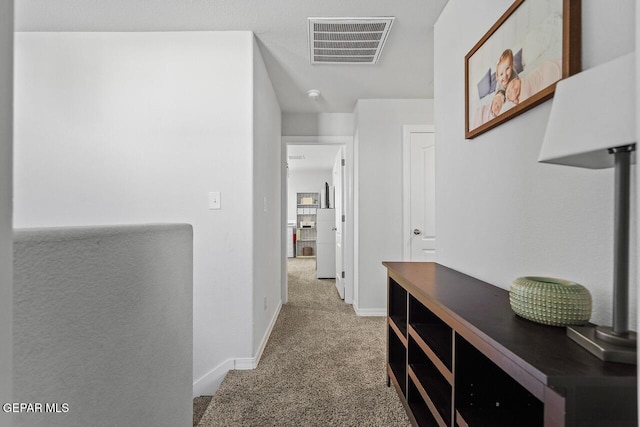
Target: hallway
<point x="322" y="366"/>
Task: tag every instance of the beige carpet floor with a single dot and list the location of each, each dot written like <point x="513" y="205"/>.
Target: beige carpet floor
<point x="322" y="366"/>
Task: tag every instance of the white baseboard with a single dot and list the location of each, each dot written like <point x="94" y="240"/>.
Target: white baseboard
<point x="245" y="363"/>
<point x="208" y="384"/>
<point x="340" y="287"/>
<point x="369" y="312"/>
<point x="267" y="334"/>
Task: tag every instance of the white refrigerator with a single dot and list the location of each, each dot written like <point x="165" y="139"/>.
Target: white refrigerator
<point x="326" y="244"/>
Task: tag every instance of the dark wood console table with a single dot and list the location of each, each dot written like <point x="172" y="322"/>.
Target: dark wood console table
<point x="458" y="356"/>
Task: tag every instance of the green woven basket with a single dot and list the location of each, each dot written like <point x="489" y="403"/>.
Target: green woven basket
<point x="550" y="301"/>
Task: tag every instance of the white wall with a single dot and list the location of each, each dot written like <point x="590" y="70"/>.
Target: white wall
<point x="305" y="181"/>
<point x="267" y="273"/>
<point x="501" y="214"/>
<point x="321" y="124"/>
<point x="378" y="180"/>
<point x="138" y="127"/>
<point x="103" y="323"/>
<point x="352" y="234"/>
<point x="6" y="203"/>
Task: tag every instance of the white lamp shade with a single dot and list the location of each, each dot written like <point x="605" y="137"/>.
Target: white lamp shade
<point x="592" y="111"/>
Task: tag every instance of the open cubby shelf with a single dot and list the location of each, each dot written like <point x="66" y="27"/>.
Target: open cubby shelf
<point x="436" y="386"/>
<point x="445" y="370"/>
<point x="422" y="414"/>
<point x="438" y="338"/>
<point x="397" y="359"/>
<point x="436" y="334"/>
<point x="398" y="307"/>
<point x="459" y="356"/>
<point x="487" y="395"/>
<point x="401" y="324"/>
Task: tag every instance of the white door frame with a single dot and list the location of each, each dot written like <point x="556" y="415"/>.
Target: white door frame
<point x="347" y="264"/>
<point x="407" y="130"/>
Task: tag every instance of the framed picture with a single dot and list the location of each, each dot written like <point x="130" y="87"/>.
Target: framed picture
<point x="516" y="65"/>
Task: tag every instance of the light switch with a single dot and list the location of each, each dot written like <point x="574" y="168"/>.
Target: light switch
<point x="214" y="200"/>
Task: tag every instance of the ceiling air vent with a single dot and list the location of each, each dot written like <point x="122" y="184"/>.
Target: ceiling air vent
<point x="347" y="40"/>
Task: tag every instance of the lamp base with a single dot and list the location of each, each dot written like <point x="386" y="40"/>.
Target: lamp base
<point x="606" y="333"/>
<point x="588" y="337"/>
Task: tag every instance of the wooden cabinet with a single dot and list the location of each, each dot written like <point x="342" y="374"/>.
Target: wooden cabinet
<point x="458" y="356"/>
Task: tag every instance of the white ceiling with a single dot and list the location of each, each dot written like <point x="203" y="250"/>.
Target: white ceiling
<point x="316" y="157"/>
<point x="405" y="69"/>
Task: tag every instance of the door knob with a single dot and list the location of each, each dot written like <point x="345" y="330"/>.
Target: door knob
<point x="417" y="231"/>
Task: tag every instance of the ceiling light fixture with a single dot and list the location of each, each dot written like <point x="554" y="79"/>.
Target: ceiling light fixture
<point x="313" y="94"/>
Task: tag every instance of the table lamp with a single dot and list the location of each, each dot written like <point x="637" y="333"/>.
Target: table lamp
<point x="592" y="125"/>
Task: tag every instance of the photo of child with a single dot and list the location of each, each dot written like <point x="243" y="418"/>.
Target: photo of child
<point x="517" y="60"/>
<point x="505" y="72"/>
<point x="484" y="113"/>
<point x="505" y="69"/>
<point x="544" y="75"/>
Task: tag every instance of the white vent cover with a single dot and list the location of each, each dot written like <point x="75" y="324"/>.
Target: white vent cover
<point x="347" y="40"/>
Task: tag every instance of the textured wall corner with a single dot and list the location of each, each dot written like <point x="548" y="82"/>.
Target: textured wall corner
<point x="6" y="200"/>
<point x="103" y="323"/>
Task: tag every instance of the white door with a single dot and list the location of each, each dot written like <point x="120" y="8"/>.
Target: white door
<point x="338" y="180"/>
<point x="326" y="244"/>
<point x="420" y="223"/>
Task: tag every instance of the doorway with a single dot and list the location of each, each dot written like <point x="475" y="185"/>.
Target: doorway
<point x="317" y="171"/>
